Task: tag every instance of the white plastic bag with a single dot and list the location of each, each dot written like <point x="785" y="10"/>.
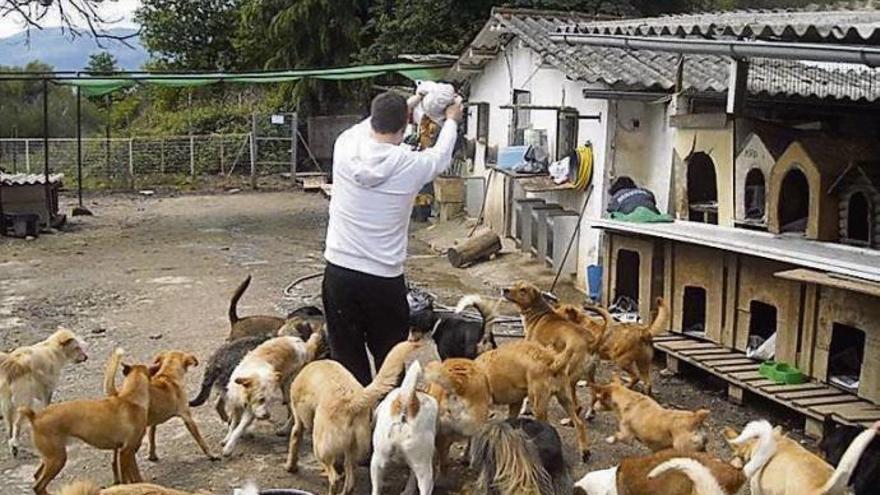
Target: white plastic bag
<point x="436" y="97"/>
<point x="765" y="351"/>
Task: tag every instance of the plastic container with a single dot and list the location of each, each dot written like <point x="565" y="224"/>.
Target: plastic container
<point x="594" y="281"/>
<point x="284" y="491"/>
<point x="511" y="157"/>
<point x="782" y="373"/>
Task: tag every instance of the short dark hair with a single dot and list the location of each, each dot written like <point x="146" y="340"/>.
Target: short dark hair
<point x="388" y="113"/>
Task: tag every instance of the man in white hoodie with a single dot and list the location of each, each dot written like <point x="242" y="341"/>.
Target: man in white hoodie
<point x="375" y="181"/>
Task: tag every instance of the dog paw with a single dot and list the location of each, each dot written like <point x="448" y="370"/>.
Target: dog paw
<point x="227" y="450"/>
<point x="610" y="440"/>
<point x="281" y="432"/>
<point x="585" y="456"/>
<point x="292" y="468"/>
<point x="213" y="458"/>
<point x="565" y="422"/>
<point x="591" y="415"/>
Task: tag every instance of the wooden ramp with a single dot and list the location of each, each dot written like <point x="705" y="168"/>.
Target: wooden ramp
<point x="814" y="400"/>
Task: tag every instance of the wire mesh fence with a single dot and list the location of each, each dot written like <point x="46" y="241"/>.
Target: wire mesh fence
<point x="128" y="163"/>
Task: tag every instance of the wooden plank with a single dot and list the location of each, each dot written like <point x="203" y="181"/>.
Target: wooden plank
<point x="689" y="344"/>
<point x="805" y="394"/>
<point x="763" y="383"/>
<point x="846" y="411"/>
<point x="726" y="362"/>
<point x="819" y="401"/>
<point x="866" y="415"/>
<point x="746" y="375"/>
<point x="667" y="338"/>
<point x="708" y="352"/>
<point x="801" y="386"/>
<point x="738" y="367"/>
<point x="829" y="280"/>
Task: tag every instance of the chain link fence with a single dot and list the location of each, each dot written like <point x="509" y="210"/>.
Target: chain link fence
<point x="138" y="162"/>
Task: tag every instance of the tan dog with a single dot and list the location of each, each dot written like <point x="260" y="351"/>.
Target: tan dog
<point x="642" y="418"/>
<point x="168" y="396"/>
<point x="788" y="468"/>
<point x="29" y="374"/>
<point x="114" y="423"/>
<point x="87" y="488"/>
<point x="630" y="477"/>
<point x="578" y="344"/>
<point x="328" y="400"/>
<point x="250" y="326"/>
<point x="524" y="369"/>
<point x="628" y="345"/>
<point x="463" y="396"/>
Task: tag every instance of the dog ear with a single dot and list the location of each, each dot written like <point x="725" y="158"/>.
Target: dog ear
<point x="158" y="359"/>
<point x="190" y="361"/>
<point x="126" y="369"/>
<point x="245" y="381"/>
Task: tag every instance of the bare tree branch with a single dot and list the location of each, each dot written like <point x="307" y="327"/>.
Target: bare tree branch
<point x="75" y="17"/>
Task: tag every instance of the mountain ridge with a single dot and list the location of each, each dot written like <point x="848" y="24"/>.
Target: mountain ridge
<point x="63" y="53"/>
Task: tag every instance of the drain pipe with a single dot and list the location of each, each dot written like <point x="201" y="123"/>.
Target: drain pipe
<point x="732" y="48"/>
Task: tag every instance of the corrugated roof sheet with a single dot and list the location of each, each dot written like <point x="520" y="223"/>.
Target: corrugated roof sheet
<point x="648" y="70"/>
<point x="28" y="179"/>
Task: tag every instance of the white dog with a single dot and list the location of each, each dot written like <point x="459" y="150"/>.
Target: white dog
<point x="703" y="480"/>
<point x="406" y="424"/>
<point x="262" y="376"/>
<point x="29" y="374"/>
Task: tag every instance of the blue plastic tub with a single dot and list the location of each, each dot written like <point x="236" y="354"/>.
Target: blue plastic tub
<point x="511" y="156"/>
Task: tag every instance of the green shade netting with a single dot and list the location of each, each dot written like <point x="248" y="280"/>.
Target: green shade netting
<point x="102" y="86"/>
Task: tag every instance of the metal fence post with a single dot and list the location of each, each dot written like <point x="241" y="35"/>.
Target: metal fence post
<point x="254" y="151"/>
<point x="27" y="155"/>
<point x="162" y="156"/>
<point x="222" y="168"/>
<point x="131" y="162"/>
<point x="294" y="124"/>
<point x="192" y="156"/>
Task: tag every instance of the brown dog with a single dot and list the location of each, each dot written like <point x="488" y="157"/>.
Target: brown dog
<point x="250" y="326"/>
<point x="629" y="345"/>
<point x="630" y="477"/>
<point x="87" y="488"/>
<point x="114" y="423"/>
<point x="779" y="465"/>
<point x="642" y="418"/>
<point x="463" y="396"/>
<point x="168" y="396"/>
<point x="541" y="323"/>
<point x="328" y="400"/>
<point x="524" y="369"/>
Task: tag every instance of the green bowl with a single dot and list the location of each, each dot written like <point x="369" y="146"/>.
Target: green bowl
<point x="782" y="373"/>
<point x="766" y="369"/>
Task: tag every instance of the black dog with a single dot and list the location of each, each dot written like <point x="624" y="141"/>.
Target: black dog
<point x="837" y="438"/>
<point x="220" y="367"/>
<point x="456" y="335"/>
<point x="519" y="455"/>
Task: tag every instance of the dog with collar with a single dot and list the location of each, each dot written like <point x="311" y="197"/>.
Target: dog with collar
<point x="656" y="474"/>
<point x="29" y="375"/>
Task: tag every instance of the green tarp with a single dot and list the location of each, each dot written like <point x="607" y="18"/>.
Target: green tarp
<point x="102" y="86"/>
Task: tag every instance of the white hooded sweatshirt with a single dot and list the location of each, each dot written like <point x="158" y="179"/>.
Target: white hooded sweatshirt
<point x="374" y="187"/>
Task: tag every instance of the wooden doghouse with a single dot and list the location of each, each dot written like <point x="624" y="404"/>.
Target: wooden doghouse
<point x="28" y="194"/>
<point x="801" y="197"/>
<point x="698" y="287"/>
<point x="858" y="192"/>
<point x="752" y="169"/>
<point x="635" y="270"/>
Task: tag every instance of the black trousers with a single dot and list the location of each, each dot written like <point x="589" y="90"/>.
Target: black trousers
<point x="363" y="310"/>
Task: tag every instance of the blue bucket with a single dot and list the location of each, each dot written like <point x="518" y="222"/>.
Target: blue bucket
<point x="594" y="281"/>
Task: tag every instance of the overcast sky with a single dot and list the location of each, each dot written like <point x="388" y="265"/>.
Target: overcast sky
<point x="122" y="10"/>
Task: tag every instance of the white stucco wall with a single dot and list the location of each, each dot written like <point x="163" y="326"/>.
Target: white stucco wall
<point x="550" y="87"/>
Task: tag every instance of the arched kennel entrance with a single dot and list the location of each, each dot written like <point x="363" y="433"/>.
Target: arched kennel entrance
<point x="702" y="189"/>
<point x="794" y="202"/>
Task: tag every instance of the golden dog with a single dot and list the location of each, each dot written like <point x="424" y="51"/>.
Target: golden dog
<point x="327" y="399"/>
<point x="168" y="396"/>
<point x="114" y="423"/>
<point x="642" y="418"/>
<point x="87" y="488"/>
<point x="579" y="345"/>
<point x="628" y="345"/>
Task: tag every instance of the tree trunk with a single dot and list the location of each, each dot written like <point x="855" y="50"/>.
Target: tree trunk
<point x="474" y="249"/>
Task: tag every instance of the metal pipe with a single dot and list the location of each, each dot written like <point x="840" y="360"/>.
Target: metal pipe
<point x="47" y="188"/>
<point x="732" y="48"/>
<point x="79" y="154"/>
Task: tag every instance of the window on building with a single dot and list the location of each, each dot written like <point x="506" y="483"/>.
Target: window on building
<point x="755" y="194"/>
<point x="845" y="356"/>
<point x="794" y="202"/>
<point x="483" y="123"/>
<point x="693" y="308"/>
<point x="566" y="132"/>
<point x="702" y="189"/>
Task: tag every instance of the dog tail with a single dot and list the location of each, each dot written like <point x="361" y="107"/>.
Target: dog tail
<point x="836" y="485"/>
<point x="488" y="310"/>
<point x="508" y="461"/>
<point x="110" y="372"/>
<point x="233" y="303"/>
<point x="703" y="480"/>
<point x="606" y="317"/>
<point x="313" y="345"/>
<point x="763" y="431"/>
<point x="657" y="326"/>
<point x="28" y="413"/>
<point x="11" y="369"/>
<point x="407" y="401"/>
<point x="250" y="488"/>
<point x="561" y="359"/>
<point x="207" y="384"/>
<point x="80" y="488"/>
<point x="386" y="377"/>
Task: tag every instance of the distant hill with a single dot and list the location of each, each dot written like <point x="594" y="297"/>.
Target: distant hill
<point x="58" y="50"/>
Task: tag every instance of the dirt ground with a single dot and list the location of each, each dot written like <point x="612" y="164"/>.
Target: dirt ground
<point x="155" y="273"/>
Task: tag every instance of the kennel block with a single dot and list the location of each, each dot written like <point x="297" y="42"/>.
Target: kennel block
<point x="538" y="243"/>
<point x="698" y="290"/>
<point x="555" y="237"/>
<point x="522" y="221"/>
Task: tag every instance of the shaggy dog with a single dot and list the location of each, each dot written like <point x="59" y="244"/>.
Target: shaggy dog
<point x="519" y="456"/>
<point x="29" y="374"/>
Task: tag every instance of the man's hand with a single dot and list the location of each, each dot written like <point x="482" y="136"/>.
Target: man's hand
<point x="455" y="111"/>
